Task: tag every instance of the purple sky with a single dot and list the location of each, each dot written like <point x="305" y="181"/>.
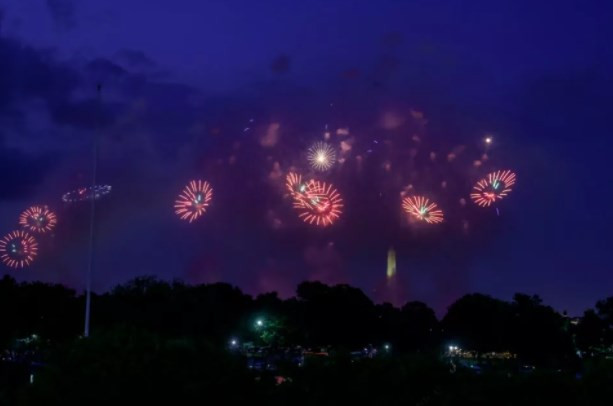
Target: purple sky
<point x="183" y="79"/>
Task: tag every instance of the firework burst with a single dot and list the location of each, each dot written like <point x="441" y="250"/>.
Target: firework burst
<point x="494" y="187"/>
<point x="422" y="209"/>
<point x="321" y="156"/>
<point x="294" y="184"/>
<point x="18" y="249"/>
<point x="319" y="204"/>
<point x="194" y="200"/>
<point x="38" y="219"/>
<point x="86" y="193"/>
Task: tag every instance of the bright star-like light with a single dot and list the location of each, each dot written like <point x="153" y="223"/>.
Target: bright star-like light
<point x="321" y="156"/>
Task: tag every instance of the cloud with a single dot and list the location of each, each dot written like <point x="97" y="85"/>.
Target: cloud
<point x="28" y="73"/>
<point x="85" y="114"/>
<point x="31" y="80"/>
<point x="135" y="59"/>
<point x="63" y="13"/>
<point x="22" y="173"/>
<point x="281" y="64"/>
<point x="103" y="70"/>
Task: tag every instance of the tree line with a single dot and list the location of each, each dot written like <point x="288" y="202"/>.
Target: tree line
<point x="156" y="342"/>
<point x="339" y="316"/>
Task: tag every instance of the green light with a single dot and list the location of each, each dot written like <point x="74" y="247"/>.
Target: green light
<point x="302" y="188"/>
<point x="495" y="184"/>
<point x="423" y="210"/>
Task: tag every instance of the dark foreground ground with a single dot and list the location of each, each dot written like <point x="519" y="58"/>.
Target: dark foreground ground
<point x="130" y="367"/>
<point x="155" y="342"/>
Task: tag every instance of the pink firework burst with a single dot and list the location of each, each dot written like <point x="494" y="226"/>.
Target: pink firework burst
<point x="194" y="200"/>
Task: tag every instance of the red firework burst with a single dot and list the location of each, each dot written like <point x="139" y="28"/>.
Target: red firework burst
<point x="319" y="204"/>
<point x="18" y="249"/>
<point x="494" y="187"/>
<point x="38" y="219"/>
<point x="422" y="209"/>
<point x="194" y="200"/>
<point x="294" y="184"/>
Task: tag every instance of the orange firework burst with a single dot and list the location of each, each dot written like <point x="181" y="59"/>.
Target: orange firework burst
<point x="319" y="204"/>
<point x="422" y="209"/>
<point x="18" y="249"/>
<point x="38" y="219"/>
<point x="194" y="200"/>
<point x="495" y="187"/>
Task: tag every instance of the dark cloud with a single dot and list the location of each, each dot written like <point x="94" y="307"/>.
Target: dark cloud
<point x="22" y="173"/>
<point x="63" y="13"/>
<point x="85" y="114"/>
<point x="135" y="59"/>
<point x="27" y="73"/>
<point x="102" y="70"/>
<point x="28" y="76"/>
<point x="393" y="39"/>
<point x="281" y="64"/>
<point x="33" y="74"/>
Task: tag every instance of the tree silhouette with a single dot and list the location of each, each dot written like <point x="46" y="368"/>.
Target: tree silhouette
<point x="336" y="315"/>
<point x="538" y="333"/>
<point x="478" y="322"/>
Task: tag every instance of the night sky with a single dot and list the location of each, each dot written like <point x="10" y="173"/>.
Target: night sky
<point x="235" y="91"/>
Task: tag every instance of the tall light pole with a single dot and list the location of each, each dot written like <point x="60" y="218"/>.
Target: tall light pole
<point x="92" y="217"/>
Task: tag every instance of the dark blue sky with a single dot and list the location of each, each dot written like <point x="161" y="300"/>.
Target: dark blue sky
<point x="182" y="80"/>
